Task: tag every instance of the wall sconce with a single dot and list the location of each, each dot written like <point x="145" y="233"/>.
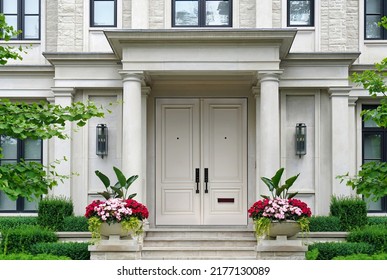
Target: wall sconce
<point x="300" y="139"/>
<point x="102" y="140"/>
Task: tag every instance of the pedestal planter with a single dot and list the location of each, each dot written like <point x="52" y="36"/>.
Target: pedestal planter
<point x="115" y="229"/>
<point x="288" y="228"/>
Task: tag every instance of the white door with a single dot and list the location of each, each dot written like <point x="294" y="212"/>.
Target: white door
<point x="201" y="162"/>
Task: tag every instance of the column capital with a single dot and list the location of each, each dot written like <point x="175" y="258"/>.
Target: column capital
<point x="132" y="76"/>
<point x="352" y="101"/>
<point x="339" y="91"/>
<point x="146" y="91"/>
<point x="269" y="75"/>
<point x="63" y="92"/>
<point x="256" y="91"/>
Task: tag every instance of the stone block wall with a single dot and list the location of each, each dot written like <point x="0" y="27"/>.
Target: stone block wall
<point x="126" y="14"/>
<point x="339" y="25"/>
<point x="156" y="14"/>
<point x="277" y="14"/>
<point x="247" y="10"/>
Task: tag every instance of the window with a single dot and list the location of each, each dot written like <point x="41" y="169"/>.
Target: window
<point x="374" y="11"/>
<point x="374" y="149"/>
<point x="13" y="151"/>
<point x="300" y="13"/>
<point x="103" y="13"/>
<point x="22" y="15"/>
<point x="201" y="13"/>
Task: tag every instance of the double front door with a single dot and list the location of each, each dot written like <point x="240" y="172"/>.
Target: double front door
<point x="201" y="162"/>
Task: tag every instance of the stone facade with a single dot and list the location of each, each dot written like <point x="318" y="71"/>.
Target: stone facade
<point x="247" y="9"/>
<point x="156" y="14"/>
<point x="277" y="14"/>
<point x="126" y="14"/>
<point x="339" y="25"/>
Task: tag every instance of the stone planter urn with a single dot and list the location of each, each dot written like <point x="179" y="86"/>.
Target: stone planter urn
<point x="109" y="230"/>
<point x="288" y="228"/>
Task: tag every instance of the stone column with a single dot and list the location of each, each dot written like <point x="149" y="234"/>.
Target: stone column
<point x="145" y="92"/>
<point x="269" y="124"/>
<point x="132" y="146"/>
<point x="340" y="138"/>
<point x="62" y="148"/>
<point x="352" y="137"/>
<point x="256" y="92"/>
<point x="140" y="14"/>
<point x="264" y="13"/>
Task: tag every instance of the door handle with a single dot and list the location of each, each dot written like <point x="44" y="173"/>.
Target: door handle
<point x="197" y="179"/>
<point x="206" y="179"/>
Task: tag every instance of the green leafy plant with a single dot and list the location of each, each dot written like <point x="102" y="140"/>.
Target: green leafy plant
<point x="72" y="250"/>
<point x="282" y="207"/>
<point x="37" y="121"/>
<point x="382" y="256"/>
<point x="6" y="33"/>
<point x="52" y="211"/>
<point x="20" y="239"/>
<point x="329" y="250"/>
<point x="352" y="212"/>
<point x="119" y="189"/>
<point x="13" y="222"/>
<point x="324" y="223"/>
<point x="375" y="235"/>
<point x="75" y="223"/>
<point x="24" y="256"/>
<point x="275" y="187"/>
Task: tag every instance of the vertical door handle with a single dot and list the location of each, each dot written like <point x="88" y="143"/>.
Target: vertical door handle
<point x="206" y="179"/>
<point x="197" y="179"/>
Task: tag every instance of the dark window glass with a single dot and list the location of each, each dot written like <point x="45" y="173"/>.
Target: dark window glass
<point x="13" y="150"/>
<point x="202" y="13"/>
<point x="374" y="149"/>
<point x="374" y="11"/>
<point x="22" y="15"/>
<point x="300" y="13"/>
<point x="103" y="13"/>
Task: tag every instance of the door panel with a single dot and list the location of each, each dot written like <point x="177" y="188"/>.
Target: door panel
<point x="224" y="154"/>
<point x="177" y="156"/>
<point x="206" y="134"/>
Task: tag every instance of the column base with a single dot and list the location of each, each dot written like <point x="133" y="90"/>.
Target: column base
<point x="281" y="249"/>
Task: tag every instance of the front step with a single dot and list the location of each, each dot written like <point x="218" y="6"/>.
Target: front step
<point x="199" y="243"/>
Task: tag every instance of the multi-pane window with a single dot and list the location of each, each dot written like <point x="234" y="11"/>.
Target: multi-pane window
<point x="13" y="150"/>
<point x="103" y="13"/>
<point x="300" y="13"/>
<point x="374" y="11"/>
<point x="374" y="149"/>
<point x="202" y="13"/>
<point x="22" y="15"/>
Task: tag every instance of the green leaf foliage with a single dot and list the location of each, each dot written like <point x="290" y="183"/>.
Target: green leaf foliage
<point x="275" y="187"/>
<point x="53" y="210"/>
<point x="6" y="33"/>
<point x="375" y="257"/>
<point x="13" y="222"/>
<point x="352" y="212"/>
<point x="24" y="257"/>
<point x="375" y="235"/>
<point x="72" y="250"/>
<point x="330" y="250"/>
<point x="371" y="181"/>
<point x="324" y="224"/>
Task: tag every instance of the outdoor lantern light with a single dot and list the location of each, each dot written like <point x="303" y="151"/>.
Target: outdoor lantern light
<point x="102" y="140"/>
<point x="300" y="139"/>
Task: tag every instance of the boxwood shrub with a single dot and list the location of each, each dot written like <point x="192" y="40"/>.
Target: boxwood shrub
<point x="375" y="235"/>
<point x="53" y="210"/>
<point x="382" y="256"/>
<point x="20" y="239"/>
<point x="324" y="223"/>
<point x="329" y="250"/>
<point x="377" y="221"/>
<point x="75" y="223"/>
<point x="352" y="212"/>
<point x="24" y="256"/>
<point x="13" y="222"/>
<point x="73" y="250"/>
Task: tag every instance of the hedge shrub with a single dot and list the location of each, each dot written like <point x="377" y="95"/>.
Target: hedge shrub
<point x="377" y="221"/>
<point x="73" y="250"/>
<point x="53" y="210"/>
<point x="20" y="239"/>
<point x="352" y="212"/>
<point x="382" y="256"/>
<point x="324" y="223"/>
<point x="23" y="256"/>
<point x="329" y="250"/>
<point x="13" y="222"/>
<point x="375" y="235"/>
<point x="75" y="223"/>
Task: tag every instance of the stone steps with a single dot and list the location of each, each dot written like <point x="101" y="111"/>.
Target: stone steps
<point x="199" y="243"/>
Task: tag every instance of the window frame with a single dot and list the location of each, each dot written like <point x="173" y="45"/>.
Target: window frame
<point x="383" y="8"/>
<point x="383" y="133"/>
<point x="202" y="15"/>
<point x="20" y="152"/>
<point x="21" y="15"/>
<point x="92" y="14"/>
<point x="312" y="14"/>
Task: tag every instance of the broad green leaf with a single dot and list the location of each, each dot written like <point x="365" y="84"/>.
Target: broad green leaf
<point x="289" y="182"/>
<point x="120" y="176"/>
<point x="268" y="183"/>
<point x="132" y="195"/>
<point x="105" y="180"/>
<point x="131" y="180"/>
<point x="277" y="177"/>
